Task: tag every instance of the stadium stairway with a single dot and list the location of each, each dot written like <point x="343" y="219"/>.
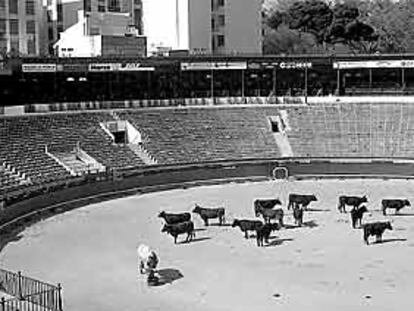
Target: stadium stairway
<point x="281" y="123"/>
<point x="143" y="154"/>
<point x="78" y="162"/>
<point x="10" y="178"/>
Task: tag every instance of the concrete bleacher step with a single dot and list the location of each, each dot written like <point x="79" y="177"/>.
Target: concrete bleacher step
<point x="143" y="154"/>
<point x="78" y="162"/>
<point x="10" y="177"/>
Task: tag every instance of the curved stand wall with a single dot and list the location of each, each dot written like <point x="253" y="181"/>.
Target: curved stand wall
<point x="162" y="178"/>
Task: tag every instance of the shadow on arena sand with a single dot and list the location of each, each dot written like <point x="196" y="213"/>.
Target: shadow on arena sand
<point x="278" y="242"/>
<point x="168" y="276"/>
<point x="389" y="241"/>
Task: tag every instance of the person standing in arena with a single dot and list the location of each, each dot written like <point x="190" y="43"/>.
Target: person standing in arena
<point x="148" y="261"/>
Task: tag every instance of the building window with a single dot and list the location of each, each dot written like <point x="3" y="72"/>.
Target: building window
<point x="13" y="8"/>
<point x="87" y="5"/>
<point x="94" y="31"/>
<point x="14" y="26"/>
<point x="114" y="6"/>
<point x="30" y="7"/>
<point x="101" y="6"/>
<point x="31" y="27"/>
<point x="222" y="20"/>
<point x="2" y="5"/>
<point x="31" y="46"/>
<point x="213" y="24"/>
<point x="138" y="20"/>
<point x="14" y="45"/>
<point x="51" y="34"/>
<point x="49" y="16"/>
<point x="59" y="10"/>
<point x="3" y="45"/>
<point x="3" y="26"/>
<point x="221" y="2"/>
<point x="220" y="40"/>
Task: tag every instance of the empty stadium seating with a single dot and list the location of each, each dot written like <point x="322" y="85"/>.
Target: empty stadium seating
<point x="352" y="130"/>
<point x="9" y="180"/>
<point x="194" y="135"/>
<point x="24" y="141"/>
<point x="208" y="134"/>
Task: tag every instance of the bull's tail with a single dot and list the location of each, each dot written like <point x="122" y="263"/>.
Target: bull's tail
<point x="223" y="218"/>
<point x="384" y="209"/>
<point x="340" y="205"/>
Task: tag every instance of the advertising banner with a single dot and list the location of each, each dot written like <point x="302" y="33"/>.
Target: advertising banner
<point x="39" y="67"/>
<point x="374" y="64"/>
<point x="214" y="66"/>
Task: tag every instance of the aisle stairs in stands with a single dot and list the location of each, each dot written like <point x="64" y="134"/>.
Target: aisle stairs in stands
<point x="9" y="177"/>
<point x="142" y="153"/>
<point x="77" y="162"/>
<point x="280" y="125"/>
<point x="129" y="135"/>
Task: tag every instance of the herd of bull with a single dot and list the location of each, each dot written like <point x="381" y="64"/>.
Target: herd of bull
<point x="180" y="223"/>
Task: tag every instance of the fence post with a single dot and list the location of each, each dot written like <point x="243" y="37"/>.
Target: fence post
<point x="3" y="304"/>
<point x="20" y="294"/>
<point x="60" y="297"/>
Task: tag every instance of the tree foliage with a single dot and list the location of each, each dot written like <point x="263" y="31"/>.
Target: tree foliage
<point x="329" y="23"/>
<point x="311" y="16"/>
<point x="394" y="23"/>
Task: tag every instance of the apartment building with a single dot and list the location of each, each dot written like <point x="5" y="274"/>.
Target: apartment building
<point x="21" y="22"/>
<point x="95" y="27"/>
<point x="203" y="26"/>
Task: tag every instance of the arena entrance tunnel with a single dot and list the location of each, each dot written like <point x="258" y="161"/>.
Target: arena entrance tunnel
<point x="32" y="203"/>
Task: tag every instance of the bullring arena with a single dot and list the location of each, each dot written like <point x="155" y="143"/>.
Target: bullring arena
<point x="90" y="194"/>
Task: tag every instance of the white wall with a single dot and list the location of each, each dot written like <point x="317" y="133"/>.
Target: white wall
<point x="243" y="26"/>
<point x="200" y="25"/>
<point x="183" y="24"/>
<point x="159" y="20"/>
<point x="82" y="45"/>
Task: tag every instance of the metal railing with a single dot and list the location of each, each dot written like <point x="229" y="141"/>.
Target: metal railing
<point x="28" y="294"/>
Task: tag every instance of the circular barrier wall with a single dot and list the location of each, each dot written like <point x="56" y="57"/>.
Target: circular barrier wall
<point x="33" y="202"/>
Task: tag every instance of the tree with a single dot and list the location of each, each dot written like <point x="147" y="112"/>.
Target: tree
<point x="346" y="28"/>
<point x="288" y="41"/>
<point x="393" y="22"/>
<point x="310" y="16"/>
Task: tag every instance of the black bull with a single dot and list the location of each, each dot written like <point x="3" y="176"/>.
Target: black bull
<point x="394" y="204"/>
<point x="301" y="199"/>
<point x="268" y="203"/>
<point x="352" y="201"/>
<point x="210" y="213"/>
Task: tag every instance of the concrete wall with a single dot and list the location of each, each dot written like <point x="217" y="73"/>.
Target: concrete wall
<point x="124" y="46"/>
<point x="23" y="37"/>
<point x="163" y="178"/>
<point x="70" y="13"/>
<point x="243" y="29"/>
<point x="108" y="24"/>
<point x="159" y="23"/>
<point x="200" y="26"/>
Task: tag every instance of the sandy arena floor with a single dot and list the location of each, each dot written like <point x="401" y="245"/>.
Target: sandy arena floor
<point x="323" y="266"/>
